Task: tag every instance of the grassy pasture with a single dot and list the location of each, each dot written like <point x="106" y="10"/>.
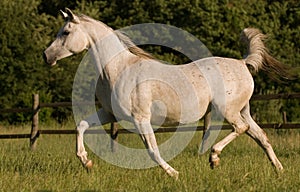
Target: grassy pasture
<point x="54" y="166"/>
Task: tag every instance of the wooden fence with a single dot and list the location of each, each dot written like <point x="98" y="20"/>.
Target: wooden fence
<point x="37" y="106"/>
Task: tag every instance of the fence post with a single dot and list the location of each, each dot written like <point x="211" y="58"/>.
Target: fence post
<point x="35" y="121"/>
<point x="114" y="137"/>
<point x="284" y="119"/>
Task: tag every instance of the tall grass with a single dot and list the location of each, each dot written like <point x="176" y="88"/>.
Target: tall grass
<point x="54" y="167"/>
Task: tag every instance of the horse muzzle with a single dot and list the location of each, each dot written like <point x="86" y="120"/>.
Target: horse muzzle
<point x="49" y="60"/>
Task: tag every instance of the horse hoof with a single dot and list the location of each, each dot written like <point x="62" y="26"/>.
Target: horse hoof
<point x="214" y="162"/>
<point x="89" y="164"/>
<point x="173" y="173"/>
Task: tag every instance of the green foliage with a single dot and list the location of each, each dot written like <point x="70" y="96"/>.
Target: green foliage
<point x="23" y="36"/>
<point x="27" y="27"/>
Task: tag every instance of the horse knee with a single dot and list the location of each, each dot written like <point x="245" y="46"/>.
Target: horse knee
<point x="240" y="126"/>
<point x="81" y="153"/>
<point x="82" y="126"/>
<point x="242" y="129"/>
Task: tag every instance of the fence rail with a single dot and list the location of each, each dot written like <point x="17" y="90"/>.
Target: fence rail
<point x="160" y="130"/>
<point x="276" y="96"/>
<point x="36" y="106"/>
<point x="70" y="104"/>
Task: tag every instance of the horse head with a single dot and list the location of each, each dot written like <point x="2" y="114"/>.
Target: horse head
<point x="71" y="39"/>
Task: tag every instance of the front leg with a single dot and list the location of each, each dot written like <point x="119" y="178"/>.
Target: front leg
<point x="81" y="152"/>
<point x="147" y="134"/>
<point x="96" y="119"/>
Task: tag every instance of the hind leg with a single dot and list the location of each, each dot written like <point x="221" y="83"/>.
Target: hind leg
<point x="261" y="138"/>
<point x="239" y="126"/>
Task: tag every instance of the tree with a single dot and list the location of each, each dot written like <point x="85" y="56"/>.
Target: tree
<point x="27" y="27"/>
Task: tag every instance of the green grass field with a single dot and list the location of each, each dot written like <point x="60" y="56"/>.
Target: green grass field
<point x="55" y="167"/>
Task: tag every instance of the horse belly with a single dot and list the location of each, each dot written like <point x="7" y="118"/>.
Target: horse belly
<point x="168" y="115"/>
<point x="173" y="106"/>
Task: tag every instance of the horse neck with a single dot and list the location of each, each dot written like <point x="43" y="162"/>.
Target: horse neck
<point x="110" y="55"/>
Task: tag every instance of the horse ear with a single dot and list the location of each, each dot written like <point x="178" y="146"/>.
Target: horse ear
<point x="64" y="15"/>
<point x="71" y="16"/>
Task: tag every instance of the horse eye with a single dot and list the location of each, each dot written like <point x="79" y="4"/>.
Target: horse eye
<point x="66" y="33"/>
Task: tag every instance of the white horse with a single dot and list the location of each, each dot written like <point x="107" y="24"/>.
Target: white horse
<point x="120" y="64"/>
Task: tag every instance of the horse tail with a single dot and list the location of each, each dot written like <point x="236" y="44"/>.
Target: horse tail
<point x="258" y="55"/>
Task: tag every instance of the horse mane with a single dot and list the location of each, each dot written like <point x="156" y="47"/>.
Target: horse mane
<point x="132" y="47"/>
<point x="125" y="40"/>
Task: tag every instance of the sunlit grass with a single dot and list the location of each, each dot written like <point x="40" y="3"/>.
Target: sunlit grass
<point x="55" y="167"/>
